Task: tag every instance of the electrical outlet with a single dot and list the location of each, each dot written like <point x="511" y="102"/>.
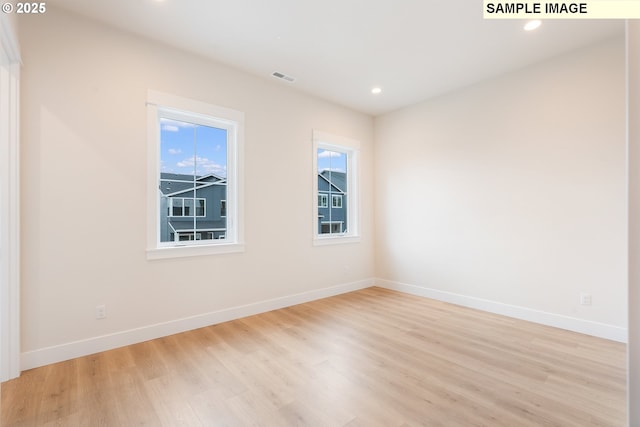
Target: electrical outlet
<point x="585" y="299"/>
<point x="101" y="311"/>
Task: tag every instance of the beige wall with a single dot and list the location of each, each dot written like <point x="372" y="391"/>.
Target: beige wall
<point x="512" y="191"/>
<point x="84" y="88"/>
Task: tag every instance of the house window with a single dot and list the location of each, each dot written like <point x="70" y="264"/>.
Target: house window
<point x="336" y="179"/>
<point x="223" y="208"/>
<point x="195" y="162"/>
<point x="178" y="206"/>
<point x="331" y="227"/>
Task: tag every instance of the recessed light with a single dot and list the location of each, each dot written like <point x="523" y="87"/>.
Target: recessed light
<point x="376" y="90"/>
<point x="532" y="25"/>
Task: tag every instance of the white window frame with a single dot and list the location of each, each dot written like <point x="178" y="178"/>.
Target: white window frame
<point x="350" y="147"/>
<point x="335" y="197"/>
<point x="162" y="105"/>
<point x="9" y="201"/>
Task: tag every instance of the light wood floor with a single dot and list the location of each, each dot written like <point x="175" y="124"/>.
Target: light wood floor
<point x="367" y="358"/>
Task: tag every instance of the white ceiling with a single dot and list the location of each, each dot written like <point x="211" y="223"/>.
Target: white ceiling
<point x="340" y="49"/>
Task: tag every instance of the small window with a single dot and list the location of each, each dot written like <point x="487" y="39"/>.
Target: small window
<point x="331" y="227"/>
<point x="223" y="208"/>
<point x="195" y="153"/>
<point x="332" y="181"/>
<point x="336" y="179"/>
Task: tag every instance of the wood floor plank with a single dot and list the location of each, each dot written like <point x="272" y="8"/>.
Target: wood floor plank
<point x="367" y="358"/>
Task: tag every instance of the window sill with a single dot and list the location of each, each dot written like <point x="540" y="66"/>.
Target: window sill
<point x="335" y="240"/>
<point x="196" y="250"/>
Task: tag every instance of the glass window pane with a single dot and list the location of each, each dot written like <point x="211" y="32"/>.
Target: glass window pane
<point x="210" y="150"/>
<point x="177" y="207"/>
<point x="188" y="207"/>
<point x="332" y="179"/>
<point x="200" y="204"/>
<point x="211" y="187"/>
<point x="177" y="139"/>
<point x="193" y="165"/>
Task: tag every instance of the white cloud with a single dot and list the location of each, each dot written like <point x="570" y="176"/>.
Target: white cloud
<point x="203" y="166"/>
<point x="188" y="162"/>
<point x="326" y="153"/>
<point x="174" y="151"/>
<point x="170" y="128"/>
<point x="170" y="125"/>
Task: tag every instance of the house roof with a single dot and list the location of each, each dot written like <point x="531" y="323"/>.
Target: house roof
<point x="336" y="179"/>
<point x="173" y="183"/>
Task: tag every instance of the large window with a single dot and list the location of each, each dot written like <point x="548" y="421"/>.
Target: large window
<point x="335" y="188"/>
<point x="194" y="177"/>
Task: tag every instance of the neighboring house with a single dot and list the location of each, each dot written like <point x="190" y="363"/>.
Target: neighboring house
<point x="192" y="207"/>
<point x="332" y="202"/>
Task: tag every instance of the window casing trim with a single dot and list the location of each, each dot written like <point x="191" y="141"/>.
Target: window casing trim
<point x="350" y="147"/>
<point x="165" y="105"/>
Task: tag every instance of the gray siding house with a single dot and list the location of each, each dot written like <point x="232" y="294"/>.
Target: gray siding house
<point x="192" y="207"/>
<point x="332" y="202"/>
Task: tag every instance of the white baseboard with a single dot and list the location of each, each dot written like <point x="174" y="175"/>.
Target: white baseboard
<point x="610" y="332"/>
<point x="58" y="353"/>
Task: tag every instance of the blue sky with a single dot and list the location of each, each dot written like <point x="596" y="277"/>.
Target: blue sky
<point x="185" y="147"/>
<point x="331" y="160"/>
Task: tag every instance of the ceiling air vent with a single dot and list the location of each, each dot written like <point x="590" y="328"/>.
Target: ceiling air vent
<point x="283" y="76"/>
